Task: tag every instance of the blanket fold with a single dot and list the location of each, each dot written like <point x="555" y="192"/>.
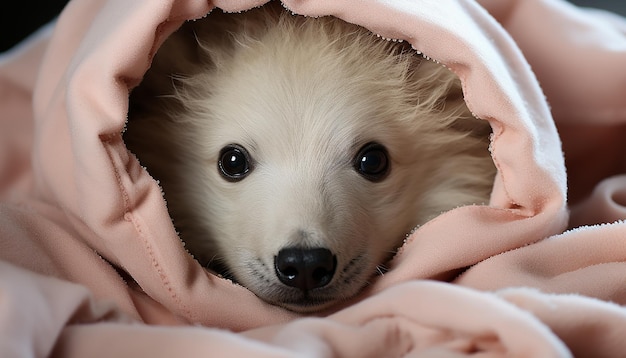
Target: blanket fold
<point x="91" y="265"/>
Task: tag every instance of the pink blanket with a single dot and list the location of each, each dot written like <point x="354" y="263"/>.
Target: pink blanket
<point x="90" y="264"/>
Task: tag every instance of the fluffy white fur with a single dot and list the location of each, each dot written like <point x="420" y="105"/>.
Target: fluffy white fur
<point x="303" y="96"/>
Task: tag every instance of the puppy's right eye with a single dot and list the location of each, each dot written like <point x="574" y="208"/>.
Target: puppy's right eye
<point x="234" y="162"/>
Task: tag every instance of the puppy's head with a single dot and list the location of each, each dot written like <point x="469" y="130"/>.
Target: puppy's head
<point x="304" y="150"/>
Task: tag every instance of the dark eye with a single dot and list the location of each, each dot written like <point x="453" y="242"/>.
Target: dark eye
<point x="372" y="162"/>
<point x="234" y="162"/>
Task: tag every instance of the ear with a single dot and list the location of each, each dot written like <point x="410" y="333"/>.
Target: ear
<point x="454" y="100"/>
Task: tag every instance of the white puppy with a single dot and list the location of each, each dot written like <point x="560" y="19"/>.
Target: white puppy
<point x="296" y="153"/>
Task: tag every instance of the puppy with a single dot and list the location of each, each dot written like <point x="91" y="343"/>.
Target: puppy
<point x="296" y="154"/>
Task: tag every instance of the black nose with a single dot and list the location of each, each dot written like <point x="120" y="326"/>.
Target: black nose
<point x="305" y="269"/>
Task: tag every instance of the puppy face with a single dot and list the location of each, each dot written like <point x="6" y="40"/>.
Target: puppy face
<point x="308" y="184"/>
<point x="296" y="156"/>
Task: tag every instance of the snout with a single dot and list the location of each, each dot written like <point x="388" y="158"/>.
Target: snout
<point x="305" y="268"/>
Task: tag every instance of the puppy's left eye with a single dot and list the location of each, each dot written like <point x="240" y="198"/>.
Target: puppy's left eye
<point x="234" y="162"/>
<point x="372" y="162"/>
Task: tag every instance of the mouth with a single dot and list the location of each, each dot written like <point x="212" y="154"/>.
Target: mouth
<point x="263" y="280"/>
<point x="305" y="302"/>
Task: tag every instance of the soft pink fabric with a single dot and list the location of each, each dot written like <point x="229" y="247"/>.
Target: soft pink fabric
<point x="93" y="267"/>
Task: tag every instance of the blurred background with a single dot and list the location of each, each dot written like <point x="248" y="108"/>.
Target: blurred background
<point x="27" y="16"/>
<point x="618" y="6"/>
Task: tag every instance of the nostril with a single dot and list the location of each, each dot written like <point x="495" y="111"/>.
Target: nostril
<point x="290" y="272"/>
<point x="305" y="269"/>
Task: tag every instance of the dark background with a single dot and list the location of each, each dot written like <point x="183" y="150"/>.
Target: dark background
<point x="21" y="18"/>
